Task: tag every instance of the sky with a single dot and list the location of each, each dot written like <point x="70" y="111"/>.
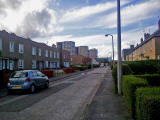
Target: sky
<point x="84" y="21"/>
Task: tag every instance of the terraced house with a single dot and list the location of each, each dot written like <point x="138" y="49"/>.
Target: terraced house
<point x="149" y="48"/>
<point x="20" y="53"/>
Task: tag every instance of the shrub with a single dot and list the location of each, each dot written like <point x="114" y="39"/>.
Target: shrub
<point x="148" y="103"/>
<point x="153" y="79"/>
<point x="48" y="73"/>
<point x="68" y="70"/>
<point x="125" y="71"/>
<point x="144" y="66"/>
<point x="129" y="86"/>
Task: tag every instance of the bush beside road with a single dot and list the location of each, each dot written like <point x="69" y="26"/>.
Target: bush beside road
<point x="140" y="77"/>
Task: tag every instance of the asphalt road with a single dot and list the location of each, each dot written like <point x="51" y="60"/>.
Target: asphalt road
<point x="60" y="102"/>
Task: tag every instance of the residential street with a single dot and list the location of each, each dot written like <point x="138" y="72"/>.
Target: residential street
<point x="62" y="101"/>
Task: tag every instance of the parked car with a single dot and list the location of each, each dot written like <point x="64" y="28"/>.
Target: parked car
<point x="27" y="80"/>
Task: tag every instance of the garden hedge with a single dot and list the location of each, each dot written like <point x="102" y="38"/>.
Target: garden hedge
<point x="125" y="71"/>
<point x="153" y="79"/>
<point x="148" y="103"/>
<point x="144" y="66"/>
<point x="129" y="86"/>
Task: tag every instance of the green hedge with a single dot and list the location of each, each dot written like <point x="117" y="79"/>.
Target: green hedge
<point x="153" y="79"/>
<point x="148" y="103"/>
<point x="129" y="86"/>
<point x="144" y="66"/>
<point x="125" y="71"/>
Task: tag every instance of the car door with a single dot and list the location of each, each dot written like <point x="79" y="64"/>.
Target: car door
<point x="35" y="78"/>
<point x="41" y="77"/>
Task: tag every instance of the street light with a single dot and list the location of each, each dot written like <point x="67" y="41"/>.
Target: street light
<point x="112" y="44"/>
<point x="119" y="64"/>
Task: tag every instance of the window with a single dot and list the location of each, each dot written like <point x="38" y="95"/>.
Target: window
<point x="58" y="65"/>
<point x="64" y="56"/>
<point x="46" y="53"/>
<point x="144" y="49"/>
<point x="11" y="64"/>
<point x="51" y="64"/>
<point x="0" y="44"/>
<point x="33" y="51"/>
<point x="21" y="64"/>
<point x="39" y="52"/>
<point x="54" y="54"/>
<point x="51" y="54"/>
<point x="11" y="46"/>
<point x="33" y="64"/>
<point x="21" y="48"/>
<point x="151" y="45"/>
<point x="19" y="74"/>
<point x="158" y="57"/>
<point x="57" y="54"/>
<point x="46" y="64"/>
<point x="34" y="74"/>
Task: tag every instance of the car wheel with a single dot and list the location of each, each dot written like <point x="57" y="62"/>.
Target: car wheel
<point x="47" y="85"/>
<point x="32" y="89"/>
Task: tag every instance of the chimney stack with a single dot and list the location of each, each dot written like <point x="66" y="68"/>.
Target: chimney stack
<point x="146" y="36"/>
<point x="141" y="40"/>
<point x="131" y="46"/>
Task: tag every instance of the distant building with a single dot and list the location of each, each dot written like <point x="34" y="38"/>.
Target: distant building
<point x="93" y="53"/>
<point x="68" y="46"/>
<point x="77" y="59"/>
<point x="83" y="50"/>
<point x="149" y="48"/>
<point x="76" y="50"/>
<point x="65" y="58"/>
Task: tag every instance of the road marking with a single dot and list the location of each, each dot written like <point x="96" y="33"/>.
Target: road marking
<point x="12" y="100"/>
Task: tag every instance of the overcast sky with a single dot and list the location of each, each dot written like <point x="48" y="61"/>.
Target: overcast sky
<point x="83" y="21"/>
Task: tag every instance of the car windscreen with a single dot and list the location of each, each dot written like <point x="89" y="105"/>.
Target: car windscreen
<point x="19" y="74"/>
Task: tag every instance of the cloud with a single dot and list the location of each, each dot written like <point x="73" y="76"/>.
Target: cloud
<point x="29" y="18"/>
<point x="100" y="42"/>
<point x="131" y="14"/>
<point x="78" y="14"/>
<point x="39" y="24"/>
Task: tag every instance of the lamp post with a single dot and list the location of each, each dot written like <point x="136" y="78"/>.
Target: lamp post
<point x="119" y="63"/>
<point x="112" y="44"/>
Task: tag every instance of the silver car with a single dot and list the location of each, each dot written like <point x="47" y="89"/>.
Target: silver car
<point x="27" y="80"/>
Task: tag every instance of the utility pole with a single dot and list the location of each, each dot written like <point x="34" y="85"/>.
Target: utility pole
<point x="119" y="63"/>
<point x="112" y="45"/>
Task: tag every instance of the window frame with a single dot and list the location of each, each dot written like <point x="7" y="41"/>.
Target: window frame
<point x="22" y="64"/>
<point x="40" y="52"/>
<point x="33" y="50"/>
<point x="34" y="66"/>
<point x="46" y="53"/>
<point x="21" y="47"/>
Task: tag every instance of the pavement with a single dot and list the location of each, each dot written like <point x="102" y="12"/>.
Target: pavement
<point x="106" y="105"/>
<point x="64" y="100"/>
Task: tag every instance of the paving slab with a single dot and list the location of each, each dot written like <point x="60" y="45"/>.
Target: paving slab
<point x="105" y="104"/>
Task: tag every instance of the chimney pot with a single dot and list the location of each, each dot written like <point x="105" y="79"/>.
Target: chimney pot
<point x="141" y="40"/>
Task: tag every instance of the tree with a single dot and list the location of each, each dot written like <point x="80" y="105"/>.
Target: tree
<point x="86" y="60"/>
